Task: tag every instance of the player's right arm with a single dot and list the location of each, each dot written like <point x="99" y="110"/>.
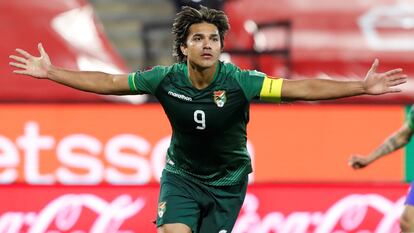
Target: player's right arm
<point x="397" y="140"/>
<point x="90" y="81"/>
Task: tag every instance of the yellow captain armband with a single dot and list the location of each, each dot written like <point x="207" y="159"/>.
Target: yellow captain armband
<point x="271" y="90"/>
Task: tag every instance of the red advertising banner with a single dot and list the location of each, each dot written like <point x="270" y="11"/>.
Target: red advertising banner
<point x="125" y="144"/>
<point x="277" y="208"/>
<point x="322" y="208"/>
<point x="53" y="209"/>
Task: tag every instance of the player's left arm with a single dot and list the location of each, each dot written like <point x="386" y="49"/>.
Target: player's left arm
<point x="324" y="89"/>
<point x="396" y="141"/>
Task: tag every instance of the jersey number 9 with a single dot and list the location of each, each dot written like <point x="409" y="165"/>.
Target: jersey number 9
<point x="200" y="118"/>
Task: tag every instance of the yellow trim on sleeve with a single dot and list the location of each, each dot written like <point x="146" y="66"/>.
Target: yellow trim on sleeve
<point x="271" y="89"/>
<point x="131" y="81"/>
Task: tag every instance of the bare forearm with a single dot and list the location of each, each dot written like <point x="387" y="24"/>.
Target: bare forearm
<point x="392" y="144"/>
<point x="90" y="81"/>
<point x="321" y="89"/>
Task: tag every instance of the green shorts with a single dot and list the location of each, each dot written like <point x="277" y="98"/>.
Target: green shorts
<point x="204" y="208"/>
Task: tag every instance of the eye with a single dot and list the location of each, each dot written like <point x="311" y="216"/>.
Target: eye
<point x="197" y="38"/>
<point x="215" y="39"/>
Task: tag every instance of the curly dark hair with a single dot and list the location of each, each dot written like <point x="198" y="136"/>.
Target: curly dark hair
<point x="189" y="16"/>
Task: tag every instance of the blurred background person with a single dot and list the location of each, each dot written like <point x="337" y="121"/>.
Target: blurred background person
<point x="396" y="141"/>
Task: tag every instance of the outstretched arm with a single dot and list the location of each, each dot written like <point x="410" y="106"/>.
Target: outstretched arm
<point x="90" y="81"/>
<point x="391" y="144"/>
<point x="323" y="89"/>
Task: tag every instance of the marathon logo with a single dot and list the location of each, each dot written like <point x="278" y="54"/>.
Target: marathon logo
<point x="180" y="96"/>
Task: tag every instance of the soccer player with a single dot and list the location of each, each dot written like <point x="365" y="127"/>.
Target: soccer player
<point x="207" y="103"/>
<point x="397" y="140"/>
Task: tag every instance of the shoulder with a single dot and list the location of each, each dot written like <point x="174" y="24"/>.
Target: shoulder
<point x="230" y="69"/>
<point x="147" y="81"/>
<point x="158" y="72"/>
<point x="163" y="70"/>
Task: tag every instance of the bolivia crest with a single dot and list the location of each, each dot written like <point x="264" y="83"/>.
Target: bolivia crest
<point x="162" y="206"/>
<point x="220" y="98"/>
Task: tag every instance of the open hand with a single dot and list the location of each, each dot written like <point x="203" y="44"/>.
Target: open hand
<point x="29" y="65"/>
<point x="381" y="83"/>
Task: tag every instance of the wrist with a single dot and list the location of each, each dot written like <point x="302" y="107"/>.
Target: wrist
<point x="51" y="72"/>
<point x="370" y="159"/>
<point x="373" y="157"/>
<point x="363" y="87"/>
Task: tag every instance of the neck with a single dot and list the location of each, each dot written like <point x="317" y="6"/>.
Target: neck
<point x="201" y="77"/>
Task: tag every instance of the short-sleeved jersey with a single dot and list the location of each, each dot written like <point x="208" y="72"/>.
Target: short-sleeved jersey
<point x="209" y="125"/>
<point x="410" y="118"/>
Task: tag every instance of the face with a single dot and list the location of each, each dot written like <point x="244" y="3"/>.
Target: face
<point x="203" y="45"/>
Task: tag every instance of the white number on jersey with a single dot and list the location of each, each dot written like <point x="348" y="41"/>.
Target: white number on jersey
<point x="200" y="118"/>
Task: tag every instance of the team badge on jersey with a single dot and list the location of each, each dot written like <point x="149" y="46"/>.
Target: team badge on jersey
<point x="162" y="206"/>
<point x="220" y="98"/>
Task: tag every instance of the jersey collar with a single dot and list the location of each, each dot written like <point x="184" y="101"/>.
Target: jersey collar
<point x="216" y="73"/>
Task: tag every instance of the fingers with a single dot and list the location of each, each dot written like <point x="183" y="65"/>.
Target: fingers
<point x="356" y="166"/>
<point x="374" y="66"/>
<point x="24" y="53"/>
<point x="19" y="59"/>
<point x="394" y="90"/>
<point x="397" y="82"/>
<point x="397" y="77"/>
<point x="21" y="72"/>
<point x="352" y="160"/>
<point x="18" y="65"/>
<point x="41" y="49"/>
<point x="393" y="72"/>
<point x="355" y="162"/>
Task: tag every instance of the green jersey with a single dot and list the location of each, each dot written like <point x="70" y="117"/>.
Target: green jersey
<point x="209" y="125"/>
<point x="411" y="117"/>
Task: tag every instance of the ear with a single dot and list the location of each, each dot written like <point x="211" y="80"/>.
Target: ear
<point x="183" y="48"/>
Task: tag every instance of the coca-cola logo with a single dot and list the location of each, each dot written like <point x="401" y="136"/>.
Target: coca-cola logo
<point x="55" y="210"/>
<point x="63" y="214"/>
<point x="346" y="215"/>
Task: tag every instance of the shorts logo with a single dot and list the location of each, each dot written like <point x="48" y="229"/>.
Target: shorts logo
<point x="162" y="206"/>
<point x="220" y="98"/>
<point x="223" y="231"/>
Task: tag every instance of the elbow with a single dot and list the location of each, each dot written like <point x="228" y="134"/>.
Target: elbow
<point x="311" y="91"/>
<point x="115" y="85"/>
<point x="306" y="90"/>
<point x="109" y="85"/>
<point x="402" y="141"/>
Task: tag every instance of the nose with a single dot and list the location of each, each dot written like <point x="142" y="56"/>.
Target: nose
<point x="207" y="43"/>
